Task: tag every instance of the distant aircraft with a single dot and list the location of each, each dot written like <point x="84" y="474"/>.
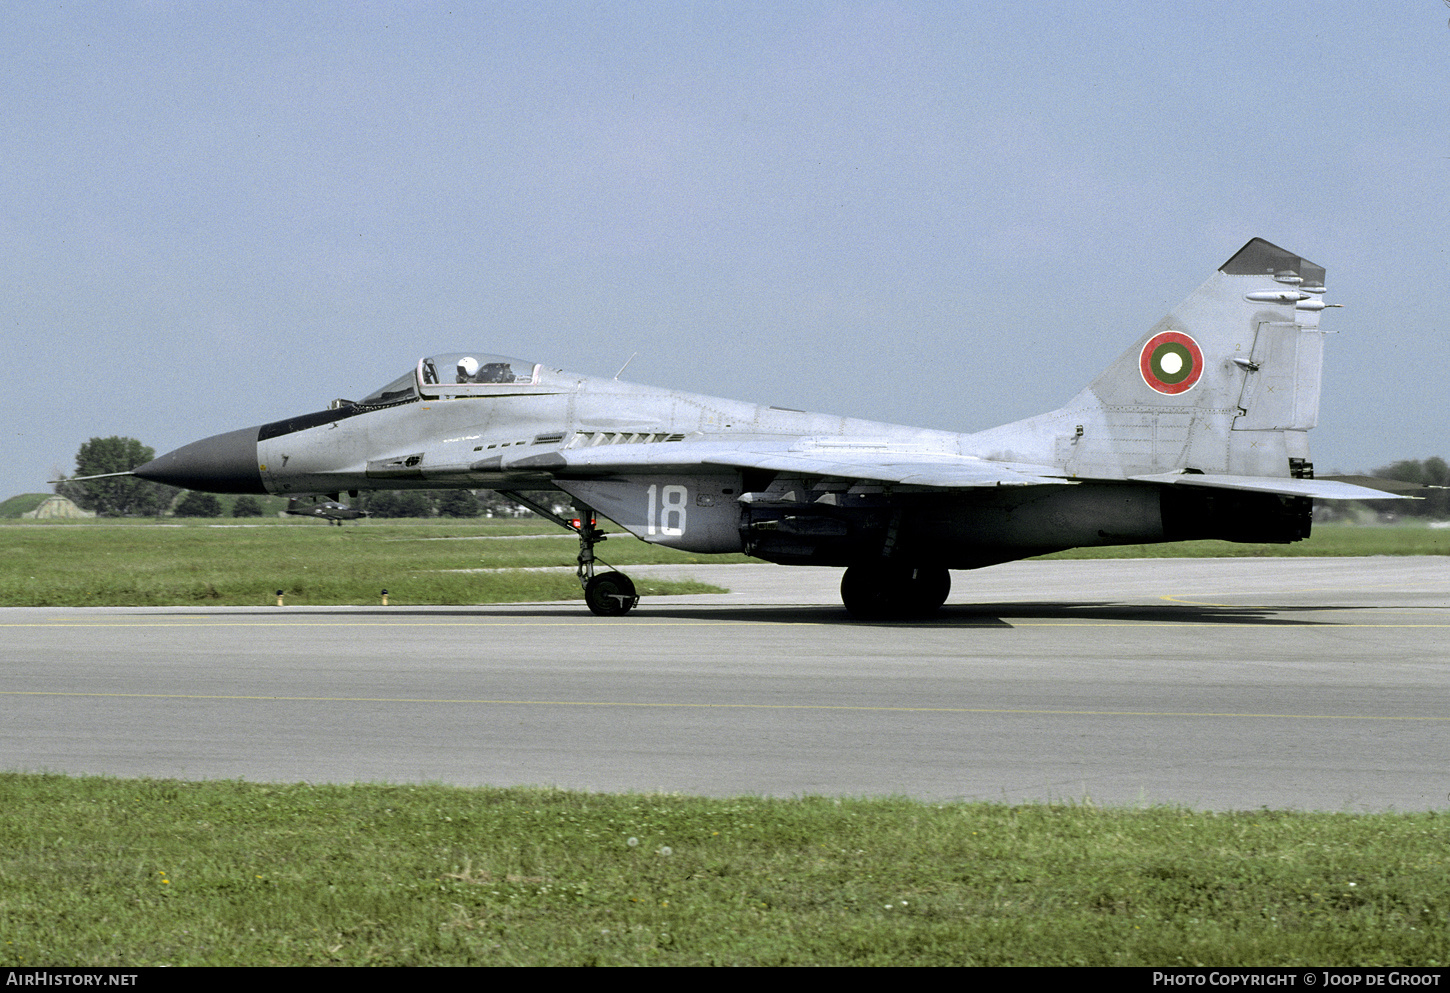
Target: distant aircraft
<point x="329" y="510"/>
<point x="1198" y="430"/>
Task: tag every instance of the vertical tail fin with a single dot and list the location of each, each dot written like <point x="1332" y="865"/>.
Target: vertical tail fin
<point x="1228" y="382"/>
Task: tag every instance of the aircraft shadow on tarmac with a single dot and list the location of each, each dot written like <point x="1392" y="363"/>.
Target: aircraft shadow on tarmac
<point x="991" y="615"/>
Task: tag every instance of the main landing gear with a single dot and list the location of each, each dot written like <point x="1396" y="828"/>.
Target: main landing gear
<point x="883" y="591"/>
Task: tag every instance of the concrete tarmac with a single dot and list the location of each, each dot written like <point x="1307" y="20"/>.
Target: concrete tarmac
<point x="1207" y="683"/>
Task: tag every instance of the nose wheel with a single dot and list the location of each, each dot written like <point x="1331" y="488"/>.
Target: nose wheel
<point x="610" y="594"/>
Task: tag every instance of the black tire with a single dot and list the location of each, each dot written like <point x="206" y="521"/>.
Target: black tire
<point x="882" y="592"/>
<point x="864" y="594"/>
<point x="610" y="594"/>
<point x="930" y="587"/>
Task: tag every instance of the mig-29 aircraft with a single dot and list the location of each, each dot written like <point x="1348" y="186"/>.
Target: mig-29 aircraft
<point x="1198" y="430"/>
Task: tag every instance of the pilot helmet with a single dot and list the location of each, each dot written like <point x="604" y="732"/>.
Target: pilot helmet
<point x="467" y="368"/>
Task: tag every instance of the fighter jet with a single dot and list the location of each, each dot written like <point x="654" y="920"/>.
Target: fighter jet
<point x="1198" y="430"/>
<point x="330" y="511"/>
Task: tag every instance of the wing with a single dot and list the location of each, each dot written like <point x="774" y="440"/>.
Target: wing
<point x="881" y="462"/>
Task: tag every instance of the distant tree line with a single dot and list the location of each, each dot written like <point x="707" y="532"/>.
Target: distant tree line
<point x="378" y="503"/>
<point x="195" y="504"/>
<point x="246" y="506"/>
<point x="449" y="503"/>
<point x="119" y="496"/>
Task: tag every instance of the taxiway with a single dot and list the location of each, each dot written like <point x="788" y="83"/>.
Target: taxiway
<point x="1209" y="683"/>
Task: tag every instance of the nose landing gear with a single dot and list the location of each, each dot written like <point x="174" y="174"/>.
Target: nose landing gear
<point x="607" y="594"/>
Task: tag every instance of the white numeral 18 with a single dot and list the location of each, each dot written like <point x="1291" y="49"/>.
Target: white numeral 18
<point x="669" y="502"/>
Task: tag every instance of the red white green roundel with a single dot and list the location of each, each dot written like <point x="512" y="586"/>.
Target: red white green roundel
<point x="1171" y="362"/>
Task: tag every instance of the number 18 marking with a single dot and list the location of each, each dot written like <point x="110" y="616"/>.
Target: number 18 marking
<point x="669" y="503"/>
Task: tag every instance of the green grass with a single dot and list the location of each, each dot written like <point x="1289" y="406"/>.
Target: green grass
<point x="1326" y="540"/>
<point x="106" y="872"/>
<point x="201" y="562"/>
<point x="143" y="563"/>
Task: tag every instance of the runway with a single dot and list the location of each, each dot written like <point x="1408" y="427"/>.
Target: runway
<point x="1208" y="683"/>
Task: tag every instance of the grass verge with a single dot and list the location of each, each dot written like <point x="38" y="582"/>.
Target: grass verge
<point x="139" y="563"/>
<point x="199" y="563"/>
<point x="97" y="871"/>
<point x="1326" y="540"/>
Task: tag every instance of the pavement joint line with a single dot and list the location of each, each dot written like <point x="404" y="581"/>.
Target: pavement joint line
<point x="719" y="706"/>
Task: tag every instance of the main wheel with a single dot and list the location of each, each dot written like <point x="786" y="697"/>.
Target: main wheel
<point x="892" y="592"/>
<point x="930" y="586"/>
<point x="610" y="594"/>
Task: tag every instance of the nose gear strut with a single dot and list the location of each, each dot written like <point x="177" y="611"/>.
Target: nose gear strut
<point x="608" y="594"/>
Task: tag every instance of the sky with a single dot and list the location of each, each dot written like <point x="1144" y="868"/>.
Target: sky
<point x="952" y="215"/>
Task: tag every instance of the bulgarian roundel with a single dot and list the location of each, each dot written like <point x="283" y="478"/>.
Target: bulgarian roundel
<point x="1171" y="362"/>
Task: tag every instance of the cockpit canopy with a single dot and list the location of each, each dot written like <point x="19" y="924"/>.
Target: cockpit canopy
<point x="455" y="374"/>
<point x="475" y="367"/>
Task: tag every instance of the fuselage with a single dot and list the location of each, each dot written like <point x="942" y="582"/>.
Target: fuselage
<point x="485" y="439"/>
<point x="529" y="428"/>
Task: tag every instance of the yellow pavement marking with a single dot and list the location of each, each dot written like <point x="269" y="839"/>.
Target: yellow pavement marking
<point x="713" y="706"/>
<point x="305" y="622"/>
<point x="1183" y="598"/>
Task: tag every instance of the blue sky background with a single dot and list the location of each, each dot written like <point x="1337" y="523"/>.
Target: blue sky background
<point x="218" y="214"/>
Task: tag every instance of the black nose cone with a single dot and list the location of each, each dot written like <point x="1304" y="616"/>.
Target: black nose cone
<point x="223" y="463"/>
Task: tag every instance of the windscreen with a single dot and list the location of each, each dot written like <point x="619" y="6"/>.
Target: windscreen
<point x="397" y="391"/>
